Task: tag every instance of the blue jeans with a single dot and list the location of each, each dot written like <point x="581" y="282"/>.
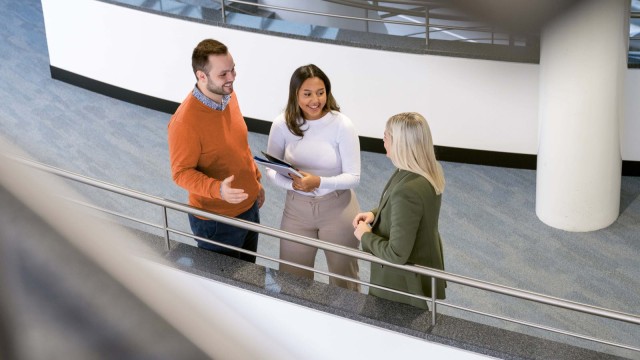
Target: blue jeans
<point x="228" y="234"/>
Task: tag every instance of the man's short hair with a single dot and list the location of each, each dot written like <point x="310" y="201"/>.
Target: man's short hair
<point x="200" y="56"/>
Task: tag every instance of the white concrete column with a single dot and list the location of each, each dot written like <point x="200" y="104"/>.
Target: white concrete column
<point x="582" y="65"/>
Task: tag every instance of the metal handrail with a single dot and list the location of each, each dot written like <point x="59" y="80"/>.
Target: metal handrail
<point x="427" y="25"/>
<point x="309" y="12"/>
<point x="327" y="246"/>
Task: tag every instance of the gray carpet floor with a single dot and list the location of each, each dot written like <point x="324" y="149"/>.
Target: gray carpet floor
<point x="488" y="223"/>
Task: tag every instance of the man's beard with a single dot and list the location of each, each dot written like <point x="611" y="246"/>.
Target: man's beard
<point x="219" y="90"/>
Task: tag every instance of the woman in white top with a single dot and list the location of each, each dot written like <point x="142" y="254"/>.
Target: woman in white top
<point x="323" y="145"/>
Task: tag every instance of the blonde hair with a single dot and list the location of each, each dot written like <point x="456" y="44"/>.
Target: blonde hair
<point x="412" y="147"/>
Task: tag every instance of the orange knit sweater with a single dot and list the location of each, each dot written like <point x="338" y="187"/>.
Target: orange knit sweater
<point x="205" y="147"/>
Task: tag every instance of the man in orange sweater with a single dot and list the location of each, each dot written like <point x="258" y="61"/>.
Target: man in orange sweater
<point x="210" y="156"/>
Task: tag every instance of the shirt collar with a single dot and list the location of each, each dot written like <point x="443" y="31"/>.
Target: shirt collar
<point x="210" y="103"/>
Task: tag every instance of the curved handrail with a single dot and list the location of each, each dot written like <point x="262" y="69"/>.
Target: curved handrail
<point x="426" y="15"/>
<point x="371" y="7"/>
<point x="327" y="246"/>
<point x="309" y="12"/>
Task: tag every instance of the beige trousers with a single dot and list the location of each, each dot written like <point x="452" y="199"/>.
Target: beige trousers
<point x="327" y="218"/>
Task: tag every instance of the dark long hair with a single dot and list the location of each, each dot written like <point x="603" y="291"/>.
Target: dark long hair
<point x="292" y="113"/>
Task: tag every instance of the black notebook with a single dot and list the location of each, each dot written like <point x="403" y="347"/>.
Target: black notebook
<point x="276" y="160"/>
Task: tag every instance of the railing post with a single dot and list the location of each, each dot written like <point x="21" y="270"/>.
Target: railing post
<point x="433" y="301"/>
<point x="366" y="22"/>
<point x="224" y="13"/>
<point x="427" y="26"/>
<point x="166" y="227"/>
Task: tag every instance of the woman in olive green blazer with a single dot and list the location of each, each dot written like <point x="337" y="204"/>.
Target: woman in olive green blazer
<point x="403" y="229"/>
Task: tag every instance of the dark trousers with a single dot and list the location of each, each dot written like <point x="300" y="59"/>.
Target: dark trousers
<point x="228" y="234"/>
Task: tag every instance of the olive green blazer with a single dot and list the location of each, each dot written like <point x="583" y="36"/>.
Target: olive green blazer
<point x="405" y="231"/>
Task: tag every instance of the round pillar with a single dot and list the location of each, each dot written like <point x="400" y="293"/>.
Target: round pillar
<point x="583" y="61"/>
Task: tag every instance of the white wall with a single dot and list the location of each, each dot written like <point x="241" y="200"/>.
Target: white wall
<point x="469" y="103"/>
<point x="301" y="333"/>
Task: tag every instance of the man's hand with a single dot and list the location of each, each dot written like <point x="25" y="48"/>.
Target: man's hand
<point x="231" y="195"/>
<point x="261" y="197"/>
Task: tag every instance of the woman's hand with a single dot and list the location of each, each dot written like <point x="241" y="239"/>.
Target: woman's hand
<point x="361" y="229"/>
<point x="307" y="183"/>
<point x="362" y="224"/>
<point x="367" y="217"/>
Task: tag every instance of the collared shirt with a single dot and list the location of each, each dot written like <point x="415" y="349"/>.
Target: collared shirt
<point x="210" y="103"/>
